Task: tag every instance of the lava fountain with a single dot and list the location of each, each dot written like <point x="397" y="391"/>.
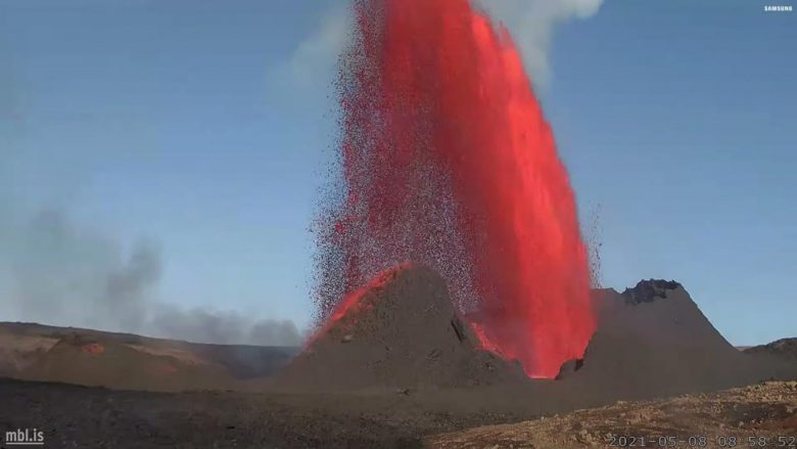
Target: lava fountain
<point x="447" y="160"/>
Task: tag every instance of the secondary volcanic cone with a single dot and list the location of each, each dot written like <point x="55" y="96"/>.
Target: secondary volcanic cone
<point x="448" y="161"/>
<point x="400" y="331"/>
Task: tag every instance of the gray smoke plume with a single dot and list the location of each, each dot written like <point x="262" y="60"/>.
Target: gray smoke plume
<point x="54" y="272"/>
<point x="223" y="327"/>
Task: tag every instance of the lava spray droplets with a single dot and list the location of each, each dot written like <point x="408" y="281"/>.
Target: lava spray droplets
<point x="448" y="161"/>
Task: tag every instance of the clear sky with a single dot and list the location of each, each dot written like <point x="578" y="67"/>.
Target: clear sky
<point x="205" y="126"/>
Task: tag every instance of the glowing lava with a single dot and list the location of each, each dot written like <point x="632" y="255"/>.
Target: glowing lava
<point x="448" y="161"/>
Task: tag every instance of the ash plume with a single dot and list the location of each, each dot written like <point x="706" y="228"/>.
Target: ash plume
<point x="55" y="272"/>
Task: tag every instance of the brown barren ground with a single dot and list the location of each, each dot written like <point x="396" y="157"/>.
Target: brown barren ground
<point x="762" y="415"/>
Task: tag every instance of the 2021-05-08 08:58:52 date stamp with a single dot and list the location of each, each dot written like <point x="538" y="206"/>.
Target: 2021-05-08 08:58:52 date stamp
<point x="698" y="441"/>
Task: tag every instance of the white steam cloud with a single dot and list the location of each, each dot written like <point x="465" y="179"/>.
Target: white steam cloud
<point x="531" y="22"/>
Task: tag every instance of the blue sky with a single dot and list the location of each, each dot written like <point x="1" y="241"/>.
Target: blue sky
<point x="205" y="126"/>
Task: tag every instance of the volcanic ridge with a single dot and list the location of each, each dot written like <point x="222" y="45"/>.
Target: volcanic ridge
<point x="402" y="331"/>
<point x="125" y="361"/>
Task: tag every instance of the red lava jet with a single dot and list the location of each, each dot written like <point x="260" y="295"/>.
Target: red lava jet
<point x="447" y="160"/>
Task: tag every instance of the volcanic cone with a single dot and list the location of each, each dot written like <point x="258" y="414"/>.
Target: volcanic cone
<point x="399" y="331"/>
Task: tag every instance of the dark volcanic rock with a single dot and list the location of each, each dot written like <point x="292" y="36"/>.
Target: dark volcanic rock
<point x="649" y="290"/>
<point x="569" y="367"/>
